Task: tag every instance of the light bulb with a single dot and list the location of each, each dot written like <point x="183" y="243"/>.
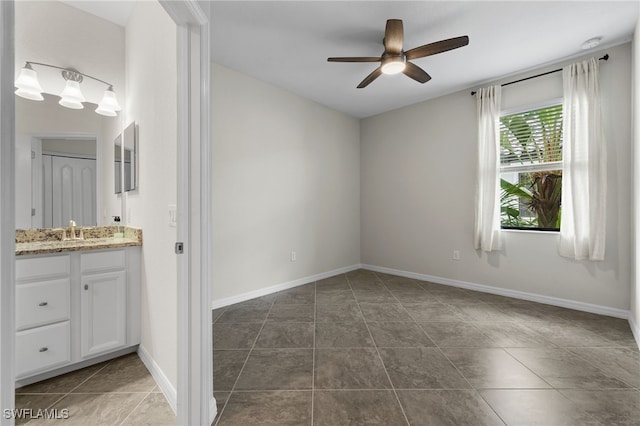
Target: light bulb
<point x="109" y="103"/>
<point x="71" y="96"/>
<point x="27" y="84"/>
<point x="393" y="65"/>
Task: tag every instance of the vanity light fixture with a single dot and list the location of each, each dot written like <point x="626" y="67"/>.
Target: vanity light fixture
<point x="28" y="87"/>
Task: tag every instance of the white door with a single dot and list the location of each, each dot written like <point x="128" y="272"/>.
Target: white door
<point x="73" y="191"/>
<point x="103" y="313"/>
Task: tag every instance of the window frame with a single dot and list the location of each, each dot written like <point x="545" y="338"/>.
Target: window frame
<point x="554" y="165"/>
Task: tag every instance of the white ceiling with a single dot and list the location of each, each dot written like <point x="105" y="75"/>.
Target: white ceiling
<point x="286" y="43"/>
<point x="116" y="11"/>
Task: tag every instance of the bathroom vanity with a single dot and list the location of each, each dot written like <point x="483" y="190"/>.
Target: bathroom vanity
<point x="77" y="301"/>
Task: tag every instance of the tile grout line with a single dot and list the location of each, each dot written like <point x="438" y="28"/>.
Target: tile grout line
<point x="245" y="361"/>
<point x="224" y="308"/>
<point x="592" y="416"/>
<point x="602" y="370"/>
<point x="411" y="316"/>
<point x="506" y="350"/>
<point x="393" y="388"/>
<point x="456" y="368"/>
<point x="450" y="362"/>
<point x="135" y="408"/>
<point x="472" y="388"/>
<point x="80" y="384"/>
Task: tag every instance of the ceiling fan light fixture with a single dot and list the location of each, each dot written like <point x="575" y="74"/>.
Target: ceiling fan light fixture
<point x="393" y="65"/>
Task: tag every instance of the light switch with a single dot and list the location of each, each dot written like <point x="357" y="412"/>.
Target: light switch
<point x="173" y="215"/>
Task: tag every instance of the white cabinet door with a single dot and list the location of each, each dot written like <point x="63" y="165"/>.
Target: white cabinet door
<point x="103" y="313"/>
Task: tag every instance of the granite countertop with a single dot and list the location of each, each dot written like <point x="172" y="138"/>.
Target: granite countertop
<point x="44" y="241"/>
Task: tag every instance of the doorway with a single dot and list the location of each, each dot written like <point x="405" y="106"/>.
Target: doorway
<point x="194" y="359"/>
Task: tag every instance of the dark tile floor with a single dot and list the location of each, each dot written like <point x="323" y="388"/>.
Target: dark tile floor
<point x="116" y="392"/>
<point x="370" y="348"/>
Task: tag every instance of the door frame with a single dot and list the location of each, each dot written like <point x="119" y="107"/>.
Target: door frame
<point x="196" y="405"/>
<point x="195" y="378"/>
<point x="7" y="213"/>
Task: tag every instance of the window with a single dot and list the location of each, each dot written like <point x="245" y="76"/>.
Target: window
<point x="531" y="169"/>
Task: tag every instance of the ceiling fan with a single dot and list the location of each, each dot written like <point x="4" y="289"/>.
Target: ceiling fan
<point x="395" y="60"/>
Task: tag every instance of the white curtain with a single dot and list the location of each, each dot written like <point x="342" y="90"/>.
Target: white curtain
<point x="487" y="226"/>
<point x="582" y="230"/>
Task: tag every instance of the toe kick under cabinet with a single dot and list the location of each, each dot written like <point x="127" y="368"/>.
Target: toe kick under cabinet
<point x="74" y="307"/>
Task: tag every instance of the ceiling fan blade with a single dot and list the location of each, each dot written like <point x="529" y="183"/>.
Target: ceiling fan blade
<point x="393" y="36"/>
<point x="355" y="59"/>
<point x="416" y="73"/>
<point x="437" y="47"/>
<point x="368" y="79"/>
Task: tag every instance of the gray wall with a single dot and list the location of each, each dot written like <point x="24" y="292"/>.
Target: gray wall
<point x="286" y="177"/>
<point x="151" y="75"/>
<point x="418" y="177"/>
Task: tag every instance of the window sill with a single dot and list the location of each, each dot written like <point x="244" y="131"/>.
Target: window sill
<point x="530" y="231"/>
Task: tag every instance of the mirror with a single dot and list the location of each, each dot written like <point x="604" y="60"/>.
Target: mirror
<point x="68" y="184"/>
<point x="61" y="159"/>
<point x="125" y="154"/>
<point x="95" y="47"/>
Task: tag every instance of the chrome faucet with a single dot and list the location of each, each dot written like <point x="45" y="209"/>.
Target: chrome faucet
<point x="72" y="232"/>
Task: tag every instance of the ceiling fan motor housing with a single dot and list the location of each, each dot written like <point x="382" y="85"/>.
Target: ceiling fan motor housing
<point x="393" y="63"/>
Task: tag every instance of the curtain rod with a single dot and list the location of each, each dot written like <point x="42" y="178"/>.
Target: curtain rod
<point x="604" y="58"/>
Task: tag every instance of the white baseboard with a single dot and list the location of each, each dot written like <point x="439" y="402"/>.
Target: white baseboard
<point x="279" y="287"/>
<point x="549" y="300"/>
<point x="213" y="410"/>
<point x="635" y="329"/>
<point x="158" y="375"/>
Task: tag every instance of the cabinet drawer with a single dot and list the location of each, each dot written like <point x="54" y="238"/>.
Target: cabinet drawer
<point x="42" y="348"/>
<point x="43" y="267"/>
<point x="41" y="303"/>
<point x="102" y="261"/>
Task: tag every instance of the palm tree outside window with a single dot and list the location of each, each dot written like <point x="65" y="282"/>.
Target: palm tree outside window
<point x="531" y="169"/>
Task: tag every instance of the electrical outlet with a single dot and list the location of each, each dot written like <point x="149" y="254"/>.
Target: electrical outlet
<point x="294" y="256"/>
<point x="456" y="255"/>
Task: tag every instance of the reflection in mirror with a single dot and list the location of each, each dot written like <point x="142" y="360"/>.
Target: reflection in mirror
<point x="68" y="184"/>
<point x="60" y="161"/>
<point x="125" y="154"/>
